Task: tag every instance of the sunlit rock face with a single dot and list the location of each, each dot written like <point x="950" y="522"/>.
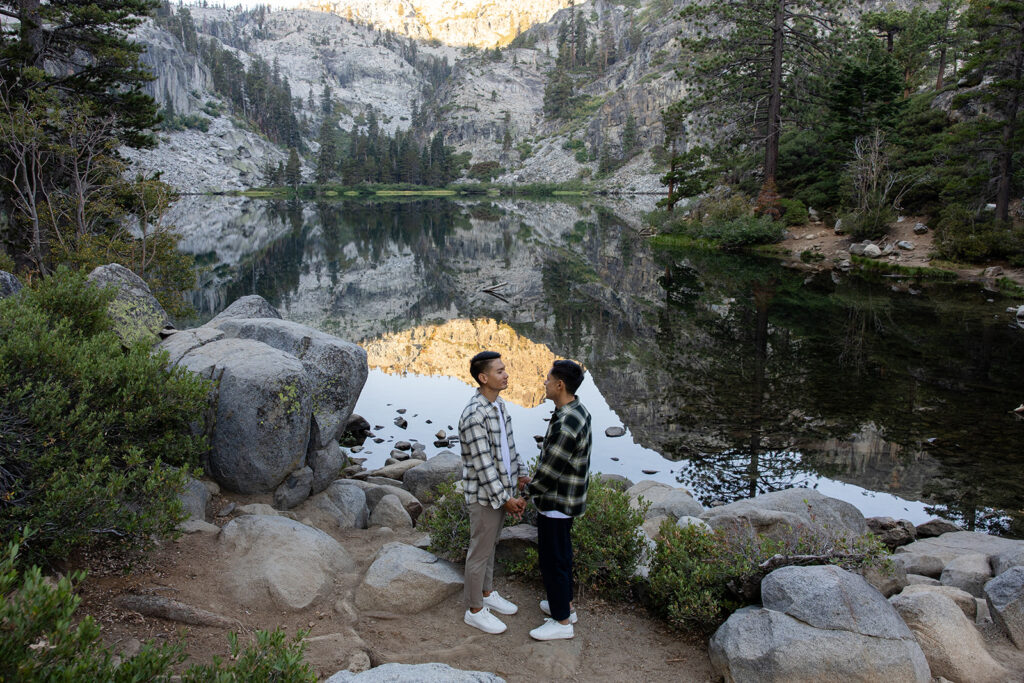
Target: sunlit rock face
<point x="446" y="349"/>
<point x="483" y="23"/>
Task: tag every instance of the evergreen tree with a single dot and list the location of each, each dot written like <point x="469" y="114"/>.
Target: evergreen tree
<point x="761" y="55"/>
<point x="327" y="159"/>
<point x="997" y="55"/>
<point x="558" y="94"/>
<point x="293" y="170"/>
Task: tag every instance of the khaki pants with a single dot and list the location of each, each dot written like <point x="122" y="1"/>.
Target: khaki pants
<point x="484" y="531"/>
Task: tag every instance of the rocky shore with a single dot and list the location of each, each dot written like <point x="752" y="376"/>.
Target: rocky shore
<point x="291" y="530"/>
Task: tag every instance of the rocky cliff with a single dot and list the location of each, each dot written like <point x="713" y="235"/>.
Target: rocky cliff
<point x="480" y="23"/>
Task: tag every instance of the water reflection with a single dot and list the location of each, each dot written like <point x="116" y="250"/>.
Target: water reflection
<point x="745" y="376"/>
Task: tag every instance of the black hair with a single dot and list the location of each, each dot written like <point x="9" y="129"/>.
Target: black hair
<point x="480" y="362"/>
<point x="570" y="373"/>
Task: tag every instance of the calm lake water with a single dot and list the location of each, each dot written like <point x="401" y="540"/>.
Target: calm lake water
<point x="731" y="375"/>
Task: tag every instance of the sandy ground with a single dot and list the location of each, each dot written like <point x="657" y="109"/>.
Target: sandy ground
<point x="614" y="642"/>
<point x="819" y="238"/>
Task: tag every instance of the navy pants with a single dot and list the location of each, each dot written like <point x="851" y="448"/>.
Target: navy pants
<point x="554" y="551"/>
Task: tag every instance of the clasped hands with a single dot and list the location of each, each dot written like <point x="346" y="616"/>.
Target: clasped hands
<point x="516" y="506"/>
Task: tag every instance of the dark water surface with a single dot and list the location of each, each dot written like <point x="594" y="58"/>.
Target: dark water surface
<point x="731" y="374"/>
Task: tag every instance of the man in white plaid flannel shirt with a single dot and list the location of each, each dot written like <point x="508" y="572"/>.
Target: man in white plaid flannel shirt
<point x="491" y="472"/>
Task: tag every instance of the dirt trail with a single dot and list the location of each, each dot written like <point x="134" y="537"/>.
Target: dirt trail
<point x="819" y="238"/>
<point x="614" y="642"/>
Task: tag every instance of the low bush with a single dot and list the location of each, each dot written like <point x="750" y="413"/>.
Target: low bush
<point x="794" y="212"/>
<point x="869" y="224"/>
<point x="40" y="644"/>
<point x="962" y="235"/>
<point x="738" y="232"/>
<point x="698" y="577"/>
<point x="485" y="170"/>
<point x="95" y="441"/>
<point x="607" y="543"/>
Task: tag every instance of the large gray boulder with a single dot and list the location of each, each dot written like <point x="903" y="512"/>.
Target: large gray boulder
<point x="341" y="506"/>
<point x="763" y="645"/>
<point x="181" y="343"/>
<point x="1005" y="597"/>
<point x="404" y="579"/>
<point x="779" y="513"/>
<point x="665" y="501"/>
<point x="828" y="597"/>
<point x="264" y="405"/>
<point x="415" y="673"/>
<point x="967" y="603"/>
<point x="135" y="312"/>
<point x="929" y="556"/>
<point x="278" y="561"/>
<point x="9" y="284"/>
<point x="969" y="572"/>
<point x="389" y="512"/>
<point x="251" y="306"/>
<point x="422" y="481"/>
<point x="1007" y="560"/>
<point x="952" y="645"/>
<point x="336" y="368"/>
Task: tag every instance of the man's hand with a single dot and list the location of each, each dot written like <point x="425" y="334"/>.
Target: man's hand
<point x="522" y="482"/>
<point x="515" y="507"/>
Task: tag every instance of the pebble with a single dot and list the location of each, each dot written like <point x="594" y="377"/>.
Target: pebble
<point x="649" y="471"/>
<point x="403" y="445"/>
<point x="400" y="411"/>
<point x="430" y="422"/>
<point x="356" y="449"/>
<point x="226" y="510"/>
<point x="401" y="423"/>
<point x="615" y="459"/>
<point x="615" y="431"/>
<point x="441" y="434"/>
<point x="378" y="440"/>
<point x="378" y="426"/>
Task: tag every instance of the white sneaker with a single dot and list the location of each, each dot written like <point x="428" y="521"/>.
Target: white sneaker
<point x="546" y="609"/>
<point x="485" y="621"/>
<point x="496" y="603"/>
<point x="552" y="630"/>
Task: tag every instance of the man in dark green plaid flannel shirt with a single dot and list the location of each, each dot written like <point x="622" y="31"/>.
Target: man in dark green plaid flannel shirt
<point x="559" y="490"/>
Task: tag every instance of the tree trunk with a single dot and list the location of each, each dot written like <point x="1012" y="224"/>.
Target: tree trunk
<point x="31" y="30"/>
<point x="1006" y="153"/>
<point x="942" y="68"/>
<point x="771" y="154"/>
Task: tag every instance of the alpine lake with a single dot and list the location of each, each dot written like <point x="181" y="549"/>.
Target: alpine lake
<point x="730" y="374"/>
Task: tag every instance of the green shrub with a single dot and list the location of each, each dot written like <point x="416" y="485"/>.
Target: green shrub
<point x="961" y="235"/>
<point x="95" y="441"/>
<point x="869" y="224"/>
<point x="699" y="577"/>
<point x="794" y="212"/>
<point x="582" y="155"/>
<point x="6" y="262"/>
<point x="740" y="232"/>
<point x="485" y="170"/>
<point x="447" y="522"/>
<point x="722" y="209"/>
<point x="40" y="644"/>
<point x="607" y="542"/>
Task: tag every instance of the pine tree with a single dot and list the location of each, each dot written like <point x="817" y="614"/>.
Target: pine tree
<point x="327" y="159"/>
<point x="757" y="54"/>
<point x="630" y="136"/>
<point x="997" y="54"/>
<point x="558" y="94"/>
<point x="293" y="171"/>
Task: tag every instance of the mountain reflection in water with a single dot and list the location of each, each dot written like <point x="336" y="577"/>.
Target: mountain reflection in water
<point x="734" y="376"/>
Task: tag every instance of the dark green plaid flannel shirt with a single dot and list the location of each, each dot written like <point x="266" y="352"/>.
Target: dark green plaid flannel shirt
<point x="563" y="473"/>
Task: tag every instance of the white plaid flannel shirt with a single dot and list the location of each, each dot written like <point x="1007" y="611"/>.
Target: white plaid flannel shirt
<point x="484" y="478"/>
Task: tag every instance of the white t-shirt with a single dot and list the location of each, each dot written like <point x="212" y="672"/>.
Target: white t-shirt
<point x="505" y="456"/>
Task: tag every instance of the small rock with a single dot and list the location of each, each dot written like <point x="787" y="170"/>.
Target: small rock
<point x="857" y="249"/>
<point x="936" y="527"/>
<point x="905" y="245"/>
<point x="400" y="411"/>
<point x="538" y="438"/>
<point x="226" y="510"/>
<point x="872" y="251"/>
<point x="378" y="440"/>
<point x="399" y="456"/>
<point x="441" y="435"/>
<point x="401" y="422"/>
<point x="615" y="459"/>
<point x="442" y="443"/>
<point x="294" y="490"/>
<point x="649" y="471"/>
<point x="892" y="532"/>
<point x="993" y="271"/>
<point x="390" y="512"/>
<point x="921" y="580"/>
<point x="920" y="228"/>
<point x="403" y="445"/>
<point x="615" y="431"/>
<point x="969" y="572"/>
<point x="356" y="449"/>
